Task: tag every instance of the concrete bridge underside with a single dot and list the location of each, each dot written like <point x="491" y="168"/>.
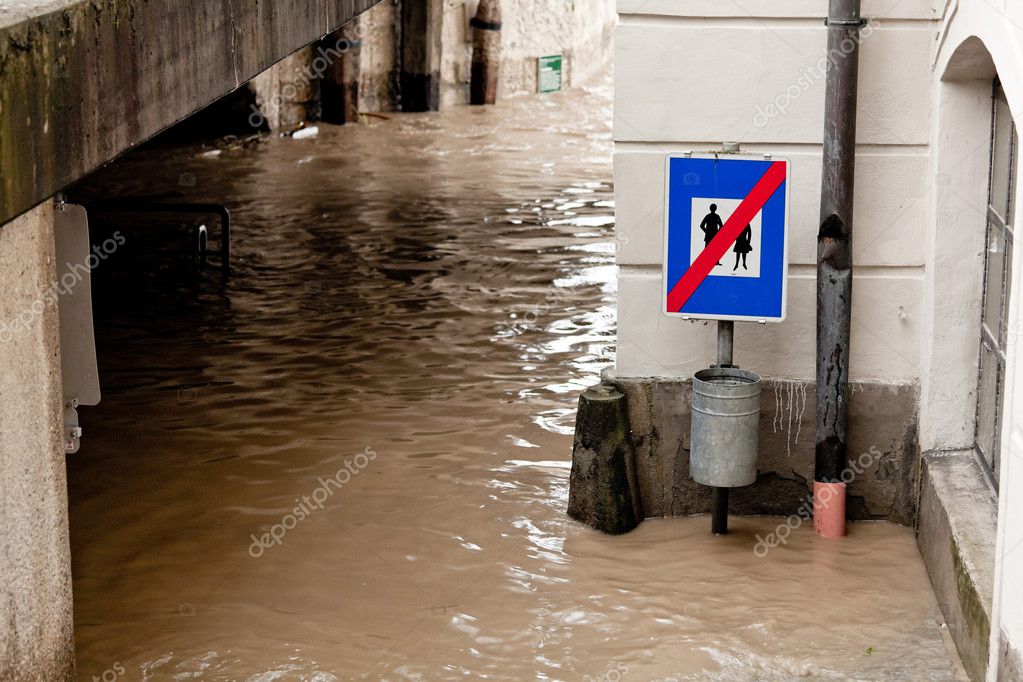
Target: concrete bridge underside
<point x="82" y="81"/>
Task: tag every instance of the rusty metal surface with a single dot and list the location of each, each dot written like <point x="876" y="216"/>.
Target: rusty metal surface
<point x="834" y="241"/>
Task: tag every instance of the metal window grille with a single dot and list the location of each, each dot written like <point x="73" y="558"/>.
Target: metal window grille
<point x="995" y="335"/>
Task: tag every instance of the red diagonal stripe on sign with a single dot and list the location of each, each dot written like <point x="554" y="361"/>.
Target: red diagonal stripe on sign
<point x="741" y="217"/>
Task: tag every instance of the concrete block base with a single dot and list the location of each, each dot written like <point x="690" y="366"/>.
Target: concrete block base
<point x="884" y="451"/>
<point x="958" y="516"/>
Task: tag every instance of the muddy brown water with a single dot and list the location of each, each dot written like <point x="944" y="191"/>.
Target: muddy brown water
<point x="350" y="460"/>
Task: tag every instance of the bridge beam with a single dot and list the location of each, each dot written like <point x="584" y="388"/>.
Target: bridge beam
<point x="82" y="81"/>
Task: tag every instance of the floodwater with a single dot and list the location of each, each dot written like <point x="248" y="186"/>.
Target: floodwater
<point x="350" y="459"/>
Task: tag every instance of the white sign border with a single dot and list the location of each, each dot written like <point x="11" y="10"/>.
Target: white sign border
<point x="741" y="156"/>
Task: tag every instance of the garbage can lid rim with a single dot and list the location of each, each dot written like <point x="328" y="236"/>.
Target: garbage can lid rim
<point x="727" y="376"/>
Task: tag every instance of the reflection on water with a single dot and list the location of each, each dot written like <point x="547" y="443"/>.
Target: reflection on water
<point x="350" y="459"/>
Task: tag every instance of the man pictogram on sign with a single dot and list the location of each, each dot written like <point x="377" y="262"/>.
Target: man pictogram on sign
<point x="711" y="225"/>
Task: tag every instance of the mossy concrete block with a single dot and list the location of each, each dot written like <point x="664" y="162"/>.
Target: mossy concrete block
<point x="602" y="489"/>
<point x="958" y="521"/>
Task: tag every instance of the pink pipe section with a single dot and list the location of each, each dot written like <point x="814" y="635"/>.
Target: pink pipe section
<point x="829" y="509"/>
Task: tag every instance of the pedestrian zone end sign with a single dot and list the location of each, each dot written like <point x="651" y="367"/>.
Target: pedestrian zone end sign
<point x="726" y="237"/>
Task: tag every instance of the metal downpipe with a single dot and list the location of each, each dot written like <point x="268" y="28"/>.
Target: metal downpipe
<point x="835" y="267"/>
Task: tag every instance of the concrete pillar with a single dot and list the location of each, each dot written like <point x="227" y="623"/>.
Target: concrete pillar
<point x="287" y="93"/>
<point x="338" y="55"/>
<point x="36" y="625"/>
<point x="378" y="89"/>
<point x="421" y="28"/>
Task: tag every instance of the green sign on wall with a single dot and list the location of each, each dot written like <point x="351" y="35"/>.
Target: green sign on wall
<point x="549" y="74"/>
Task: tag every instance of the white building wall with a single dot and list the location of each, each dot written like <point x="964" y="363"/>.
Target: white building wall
<point x="691" y="75"/>
<point x="996" y="27"/>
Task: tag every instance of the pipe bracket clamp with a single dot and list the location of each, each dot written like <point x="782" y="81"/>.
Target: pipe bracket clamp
<point x="485" y="25"/>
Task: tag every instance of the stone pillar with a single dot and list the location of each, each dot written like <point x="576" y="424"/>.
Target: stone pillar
<point x="36" y="624"/>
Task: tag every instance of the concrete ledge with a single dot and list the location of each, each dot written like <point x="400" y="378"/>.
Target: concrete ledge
<point x="83" y="80"/>
<point x="883" y="430"/>
<point x="958" y="517"/>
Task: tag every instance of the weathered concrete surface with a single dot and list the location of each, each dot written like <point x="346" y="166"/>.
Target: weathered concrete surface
<point x="1010" y="664"/>
<point x="83" y="80"/>
<point x="882" y="432"/>
<point x="378" y="87"/>
<point x="602" y="491"/>
<point x="579" y="30"/>
<point x="288" y="93"/>
<point x="958" y="516"/>
<point x="36" y="641"/>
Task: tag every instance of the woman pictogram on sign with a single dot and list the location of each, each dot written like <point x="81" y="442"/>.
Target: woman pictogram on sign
<point x="742" y="247"/>
<point x="711" y="225"/>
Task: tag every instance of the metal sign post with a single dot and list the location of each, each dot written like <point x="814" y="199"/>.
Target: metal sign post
<point x="725" y="259"/>
<point x="719" y="503"/>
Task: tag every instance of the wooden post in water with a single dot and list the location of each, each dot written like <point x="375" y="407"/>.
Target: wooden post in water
<point x="486" y="52"/>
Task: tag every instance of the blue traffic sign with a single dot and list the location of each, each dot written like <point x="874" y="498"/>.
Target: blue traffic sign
<point x="726" y="237"/>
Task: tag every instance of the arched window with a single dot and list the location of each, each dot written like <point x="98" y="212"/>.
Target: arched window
<point x="995" y="335"/>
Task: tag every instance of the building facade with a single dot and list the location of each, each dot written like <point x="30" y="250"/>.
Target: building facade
<point x="935" y="313"/>
<point x="418" y="56"/>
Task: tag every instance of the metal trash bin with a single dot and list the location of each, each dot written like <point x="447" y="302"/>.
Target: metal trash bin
<point x="726" y="415"/>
